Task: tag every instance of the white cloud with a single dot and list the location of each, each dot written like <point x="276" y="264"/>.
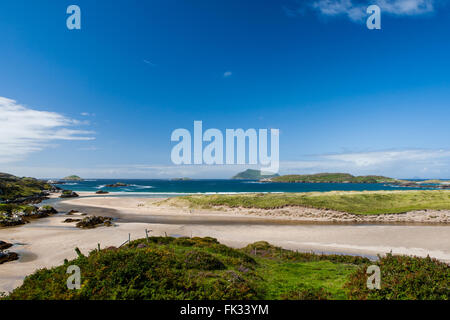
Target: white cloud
<point x="24" y="130"/>
<point x="227" y="74"/>
<point x="355" y="10"/>
<point x="367" y="159"/>
<point x="406" y="7"/>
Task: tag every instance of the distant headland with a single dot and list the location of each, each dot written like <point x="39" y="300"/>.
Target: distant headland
<point x="72" y="178"/>
<point x="251" y="174"/>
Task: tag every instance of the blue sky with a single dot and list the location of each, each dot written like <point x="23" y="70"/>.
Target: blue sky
<point x="103" y="101"/>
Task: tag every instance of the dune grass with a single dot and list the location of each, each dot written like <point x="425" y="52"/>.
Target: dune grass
<point x="365" y="203"/>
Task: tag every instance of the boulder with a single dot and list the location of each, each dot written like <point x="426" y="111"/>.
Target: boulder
<point x="4" y="245"/>
<point x="46" y="211"/>
<point x="102" y="192"/>
<point x="10" y="220"/>
<point x="93" y="222"/>
<point x="117" y="185"/>
<point x="69" y="220"/>
<point x="68" y="194"/>
<point x="8" y="256"/>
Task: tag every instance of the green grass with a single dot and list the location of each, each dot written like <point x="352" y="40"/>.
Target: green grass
<point x="203" y="269"/>
<point x="368" y="202"/>
<point x="284" y="278"/>
<point x="12" y="188"/>
<point x="11" y="208"/>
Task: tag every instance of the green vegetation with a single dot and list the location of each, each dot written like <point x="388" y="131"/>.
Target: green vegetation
<point x="12" y="208"/>
<point x="13" y="188"/>
<point x="251" y="174"/>
<point x="72" y="178"/>
<point x="366" y="202"/>
<point x="331" y="178"/>
<point x="404" y="278"/>
<point x="202" y="268"/>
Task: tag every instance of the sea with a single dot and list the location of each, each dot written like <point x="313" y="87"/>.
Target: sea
<point x="205" y="186"/>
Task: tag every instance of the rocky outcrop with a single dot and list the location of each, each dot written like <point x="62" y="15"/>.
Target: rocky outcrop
<point x="117" y="185"/>
<point x="8" y="256"/>
<point x="94" y="221"/>
<point x="102" y="192"/>
<point x="45" y="211"/>
<point x="18" y="215"/>
<point x="34" y="199"/>
<point x="11" y="219"/>
<point x="68" y="194"/>
<point x="4" y="245"/>
<point x="70" y="220"/>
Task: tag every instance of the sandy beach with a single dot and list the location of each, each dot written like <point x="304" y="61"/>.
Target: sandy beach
<point x="47" y="242"/>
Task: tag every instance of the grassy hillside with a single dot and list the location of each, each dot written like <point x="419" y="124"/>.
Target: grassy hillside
<point x="202" y="268"/>
<point x="368" y="202"/>
<point x="251" y="174"/>
<point x="15" y="188"/>
<point x="331" y="178"/>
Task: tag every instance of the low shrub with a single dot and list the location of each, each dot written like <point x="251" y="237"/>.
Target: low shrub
<point x="403" y="278"/>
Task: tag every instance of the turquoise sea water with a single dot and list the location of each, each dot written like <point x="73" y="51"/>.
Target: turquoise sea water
<point x="169" y="187"/>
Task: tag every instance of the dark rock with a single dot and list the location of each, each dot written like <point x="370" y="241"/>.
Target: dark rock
<point x="11" y="220"/>
<point x="8" y="256"/>
<point x="102" y="192"/>
<point x="93" y="222"/>
<point x="117" y="185"/>
<point x="69" y="220"/>
<point x="68" y="194"/>
<point x="4" y="245"/>
<point x="45" y="211"/>
<point x="71" y="212"/>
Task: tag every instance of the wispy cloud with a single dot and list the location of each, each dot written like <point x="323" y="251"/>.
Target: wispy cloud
<point x="355" y="10"/>
<point x="24" y="130"/>
<point x="148" y="62"/>
<point x="227" y="74"/>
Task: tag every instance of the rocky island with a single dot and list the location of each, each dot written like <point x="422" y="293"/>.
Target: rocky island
<point x="117" y="185"/>
<point x="72" y="178"/>
<point x="251" y="174"/>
